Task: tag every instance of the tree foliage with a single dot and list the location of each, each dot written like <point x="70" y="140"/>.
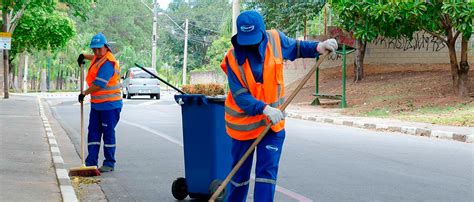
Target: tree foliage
<point x="127" y="26"/>
<point x="42" y="28"/>
<point x="207" y="22"/>
<point x="288" y="16"/>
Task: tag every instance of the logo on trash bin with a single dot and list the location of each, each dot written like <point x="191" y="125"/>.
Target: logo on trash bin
<point x="272" y="147"/>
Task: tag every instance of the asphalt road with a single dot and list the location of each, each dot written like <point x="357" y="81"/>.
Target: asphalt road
<point x="320" y="162"/>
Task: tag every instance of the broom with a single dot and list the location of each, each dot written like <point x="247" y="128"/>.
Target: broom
<point x="219" y="190"/>
<point x="83" y="170"/>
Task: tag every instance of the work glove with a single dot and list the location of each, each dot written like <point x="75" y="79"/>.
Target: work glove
<point x="327" y="46"/>
<point x="80" y="60"/>
<point x="80" y="98"/>
<point x="274" y="114"/>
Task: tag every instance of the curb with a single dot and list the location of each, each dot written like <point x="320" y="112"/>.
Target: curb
<point x="65" y="186"/>
<point x="424" y="132"/>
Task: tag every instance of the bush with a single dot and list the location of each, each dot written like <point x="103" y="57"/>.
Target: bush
<point x="209" y="89"/>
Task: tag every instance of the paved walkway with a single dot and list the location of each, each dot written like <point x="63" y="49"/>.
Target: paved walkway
<point x="31" y="166"/>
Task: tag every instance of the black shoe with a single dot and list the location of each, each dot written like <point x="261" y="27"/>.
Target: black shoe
<point x="105" y="169"/>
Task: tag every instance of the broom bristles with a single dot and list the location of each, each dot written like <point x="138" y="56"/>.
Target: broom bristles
<point x="84" y="171"/>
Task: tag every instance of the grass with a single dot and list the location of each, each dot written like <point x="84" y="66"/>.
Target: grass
<point x="457" y="115"/>
<point x="379" y="112"/>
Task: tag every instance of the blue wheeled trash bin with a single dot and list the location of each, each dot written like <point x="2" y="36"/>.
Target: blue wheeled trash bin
<point x="207" y="147"/>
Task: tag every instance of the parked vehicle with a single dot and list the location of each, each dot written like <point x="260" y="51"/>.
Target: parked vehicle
<point x="138" y="82"/>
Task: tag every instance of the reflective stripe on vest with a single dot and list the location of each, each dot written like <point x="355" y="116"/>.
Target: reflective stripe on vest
<point x="240" y="125"/>
<point x="100" y="97"/>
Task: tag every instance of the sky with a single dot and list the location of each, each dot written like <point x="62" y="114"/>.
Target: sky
<point x="164" y="3"/>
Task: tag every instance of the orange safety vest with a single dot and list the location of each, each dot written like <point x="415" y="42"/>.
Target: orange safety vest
<point x="111" y="92"/>
<point x="239" y="125"/>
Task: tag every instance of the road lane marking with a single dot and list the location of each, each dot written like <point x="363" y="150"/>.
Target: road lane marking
<point x="280" y="189"/>
<point x="292" y="194"/>
<point x="164" y="136"/>
<point x="147" y="103"/>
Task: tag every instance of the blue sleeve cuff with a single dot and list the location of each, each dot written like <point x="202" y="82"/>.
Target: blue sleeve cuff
<point x="308" y="49"/>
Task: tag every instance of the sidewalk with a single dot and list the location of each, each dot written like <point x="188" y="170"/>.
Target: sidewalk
<point x="332" y="116"/>
<point x="31" y="166"/>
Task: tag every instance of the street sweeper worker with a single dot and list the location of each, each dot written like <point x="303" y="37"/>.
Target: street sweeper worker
<point x="103" y="79"/>
<point x="254" y="67"/>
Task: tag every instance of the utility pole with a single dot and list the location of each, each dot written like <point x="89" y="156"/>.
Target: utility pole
<point x="153" y="40"/>
<point x="185" y="51"/>
<point x="235" y="13"/>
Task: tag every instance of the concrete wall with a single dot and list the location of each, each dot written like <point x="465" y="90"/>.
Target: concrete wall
<point x="208" y="77"/>
<point x="423" y="48"/>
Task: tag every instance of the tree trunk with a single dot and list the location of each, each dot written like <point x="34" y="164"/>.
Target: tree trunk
<point x="20" y="72"/>
<point x="459" y="72"/>
<point x="58" y="81"/>
<point x="359" y="60"/>
<point x="463" y="72"/>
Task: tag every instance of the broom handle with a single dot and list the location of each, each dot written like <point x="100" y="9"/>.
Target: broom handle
<point x="267" y="128"/>
<point x="82" y="117"/>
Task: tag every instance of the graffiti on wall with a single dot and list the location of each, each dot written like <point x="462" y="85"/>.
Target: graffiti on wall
<point x="420" y="41"/>
<point x="334" y="57"/>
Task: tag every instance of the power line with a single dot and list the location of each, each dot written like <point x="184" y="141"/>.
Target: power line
<point x="200" y="38"/>
<point x="179" y="35"/>
<point x="206" y="29"/>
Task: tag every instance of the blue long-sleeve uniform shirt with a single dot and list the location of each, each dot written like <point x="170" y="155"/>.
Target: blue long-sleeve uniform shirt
<point x="106" y="72"/>
<point x="290" y="51"/>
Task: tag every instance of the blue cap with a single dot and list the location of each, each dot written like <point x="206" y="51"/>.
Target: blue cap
<point x="98" y="41"/>
<point x="250" y="28"/>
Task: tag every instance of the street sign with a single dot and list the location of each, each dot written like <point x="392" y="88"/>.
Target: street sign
<point x="5" y="40"/>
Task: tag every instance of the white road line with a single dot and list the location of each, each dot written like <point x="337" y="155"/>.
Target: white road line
<point x="153" y="132"/>
<point x="147" y="103"/>
<point x="280" y="189"/>
<point x="292" y="194"/>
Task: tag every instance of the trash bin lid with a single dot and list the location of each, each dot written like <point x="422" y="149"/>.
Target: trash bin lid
<point x="199" y="98"/>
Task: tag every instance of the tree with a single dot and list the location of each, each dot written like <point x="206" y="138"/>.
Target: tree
<point x="288" y="16"/>
<point x="448" y="21"/>
<point x="360" y="18"/>
<point x="28" y="20"/>
<point x="11" y="13"/>
<point x="127" y="26"/>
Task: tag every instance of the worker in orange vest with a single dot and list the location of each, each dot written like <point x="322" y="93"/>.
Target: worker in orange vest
<point x="103" y="79"/>
<point x="254" y="67"/>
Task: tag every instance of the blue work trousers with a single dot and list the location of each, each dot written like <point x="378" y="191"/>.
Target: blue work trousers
<point x="266" y="170"/>
<point x="102" y="122"/>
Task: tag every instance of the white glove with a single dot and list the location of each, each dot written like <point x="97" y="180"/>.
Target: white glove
<point x="329" y="45"/>
<point x="274" y="114"/>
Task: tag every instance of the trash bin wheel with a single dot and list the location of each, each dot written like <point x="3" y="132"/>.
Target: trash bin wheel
<point x="179" y="189"/>
<point x="213" y="188"/>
